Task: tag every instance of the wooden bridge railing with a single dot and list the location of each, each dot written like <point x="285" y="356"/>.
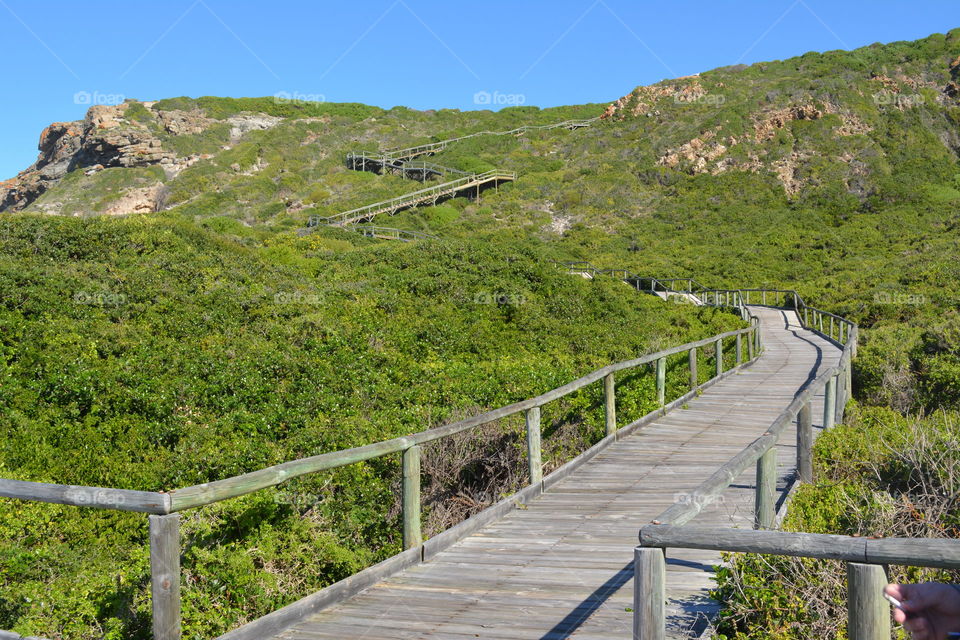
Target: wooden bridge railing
<point x="868" y="614"/>
<point x="164" y="508"/>
<point x="389" y="233"/>
<point x="395" y="155"/>
<point x="431" y="193"/>
<point x="649" y="622"/>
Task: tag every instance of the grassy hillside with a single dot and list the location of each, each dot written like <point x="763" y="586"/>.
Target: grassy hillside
<point x="207" y="338"/>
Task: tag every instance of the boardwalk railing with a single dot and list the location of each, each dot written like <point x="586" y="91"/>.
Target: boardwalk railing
<point x="868" y="613"/>
<point x="164" y="508"/>
<point x="389" y="156"/>
<point x="389" y="233"/>
<point x="429" y="194"/>
<point x="835" y="382"/>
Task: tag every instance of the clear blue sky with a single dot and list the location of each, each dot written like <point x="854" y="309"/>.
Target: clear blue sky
<point x="418" y="53"/>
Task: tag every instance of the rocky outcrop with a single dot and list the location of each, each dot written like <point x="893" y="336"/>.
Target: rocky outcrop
<point x="137" y="200"/>
<point x="104" y="138"/>
<point x="181" y="123"/>
<point x="244" y="123"/>
<point x="696" y="154"/>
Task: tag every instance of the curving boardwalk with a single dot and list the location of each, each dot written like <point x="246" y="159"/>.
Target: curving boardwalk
<point x="562" y="567"/>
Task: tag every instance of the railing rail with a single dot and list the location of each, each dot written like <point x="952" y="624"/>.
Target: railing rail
<point x="392" y="155"/>
<point x="404" y="235"/>
<point x="866" y="558"/>
<point x="409" y="199"/>
<point x="835" y="382"/>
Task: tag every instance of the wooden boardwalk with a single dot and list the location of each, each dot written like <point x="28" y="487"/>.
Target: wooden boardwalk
<point x="562" y="567"/>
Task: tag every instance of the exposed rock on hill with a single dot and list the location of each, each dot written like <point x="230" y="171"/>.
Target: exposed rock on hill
<point x="105" y="138"/>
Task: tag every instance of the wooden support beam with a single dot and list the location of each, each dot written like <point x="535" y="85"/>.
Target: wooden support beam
<point x="718" y="348"/>
<point x="533" y="445"/>
<point x="694" y="380"/>
<point x="165" y="576"/>
<point x="412" y="532"/>
<point x="830" y="402"/>
<point x="661" y="380"/>
<point x="739" y="349"/>
<point x="766" y="489"/>
<point x="649" y="595"/>
<point x="805" y="443"/>
<point x="609" y="404"/>
<point x="868" y="615"/>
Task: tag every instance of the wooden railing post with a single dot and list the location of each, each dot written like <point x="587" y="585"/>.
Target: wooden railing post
<point x="831" y="327"/>
<point x="806" y="317"/>
<point x="649" y="594"/>
<point x="609" y="404"/>
<point x="718" y="347"/>
<point x="829" y="402"/>
<point x="841" y="396"/>
<point x="766" y="490"/>
<point x="533" y="445"/>
<point x="165" y="575"/>
<point x="764" y="297"/>
<point x="805" y="443"/>
<point x="694" y="380"/>
<point x="739" y="349"/>
<point x="868" y="615"/>
<point x="848" y="375"/>
<point x="751" y="339"/>
<point x="412" y="533"/>
<point x="661" y="380"/>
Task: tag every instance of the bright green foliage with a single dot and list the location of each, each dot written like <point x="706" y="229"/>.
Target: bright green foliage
<point x="154" y="353"/>
<point x="879" y="475"/>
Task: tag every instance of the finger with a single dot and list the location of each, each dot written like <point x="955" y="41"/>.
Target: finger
<point x="899" y="616"/>
<point x="898" y="591"/>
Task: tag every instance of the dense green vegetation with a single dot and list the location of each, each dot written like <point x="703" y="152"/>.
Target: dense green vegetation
<point x="208" y="339"/>
<point x="878" y="475"/>
<point x="155" y="353"/>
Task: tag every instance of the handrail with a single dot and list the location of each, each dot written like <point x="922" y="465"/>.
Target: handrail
<point x="407" y="199"/>
<point x="198" y="495"/>
<point x="916" y="552"/>
<point x="835" y="381"/>
<point x="389" y="232"/>
<point x="429" y="147"/>
<point x="868" y="615"/>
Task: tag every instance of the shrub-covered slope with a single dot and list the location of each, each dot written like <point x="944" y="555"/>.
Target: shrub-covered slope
<point x="155" y="353"/>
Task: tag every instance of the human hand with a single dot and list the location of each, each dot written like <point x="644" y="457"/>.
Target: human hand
<point x="929" y="610"/>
